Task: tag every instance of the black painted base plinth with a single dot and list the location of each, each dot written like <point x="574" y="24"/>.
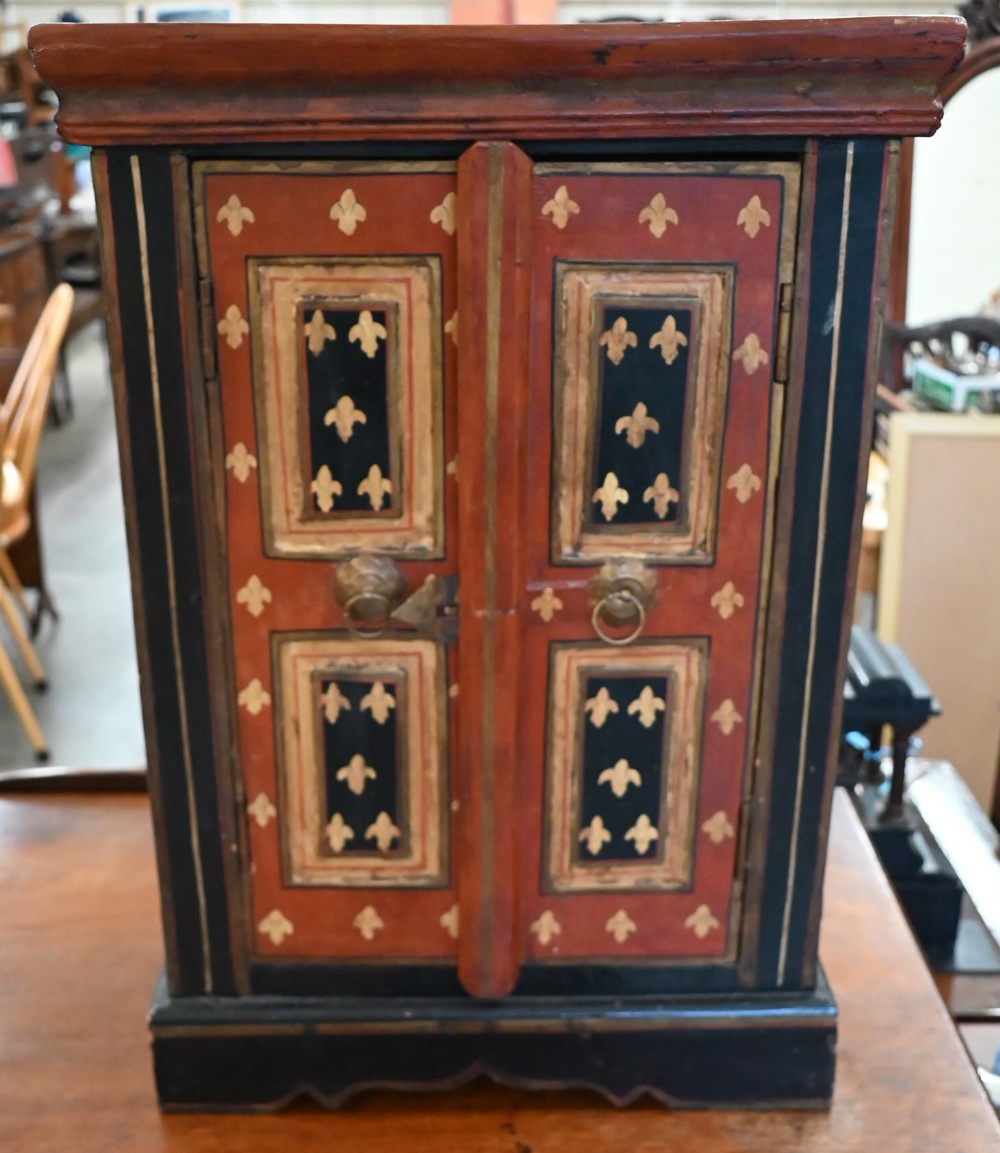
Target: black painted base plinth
<point x="260" y="1053"/>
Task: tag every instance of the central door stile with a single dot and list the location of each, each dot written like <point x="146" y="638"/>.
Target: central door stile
<point x="493" y="213"/>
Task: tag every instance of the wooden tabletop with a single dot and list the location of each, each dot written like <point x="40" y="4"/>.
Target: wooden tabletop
<point x="81" y="949"/>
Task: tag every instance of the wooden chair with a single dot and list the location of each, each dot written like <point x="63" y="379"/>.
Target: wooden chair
<point x="22" y="417"/>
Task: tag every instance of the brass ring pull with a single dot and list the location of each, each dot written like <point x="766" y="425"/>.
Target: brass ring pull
<point x="621" y="596"/>
<point x="358" y="614"/>
<point x="368" y="588"/>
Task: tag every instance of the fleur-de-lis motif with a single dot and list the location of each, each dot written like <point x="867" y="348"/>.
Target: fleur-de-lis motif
<point x="546" y="604"/>
<point x="727" y="600"/>
<point x="368" y="923"/>
<point x="610" y="495"/>
<point x="619" y="777"/>
<point x="643" y="833"/>
<point x="718" y="827"/>
<point x="620" y="926"/>
<point x="240" y="461"/>
<point x="254" y="698"/>
<point x="382" y="831"/>
<point x="451" y="328"/>
<point x="546" y="927"/>
<point x="318" y="332"/>
<point x="333" y="702"/>
<point x="379" y="702"/>
<point x="235" y="214"/>
<point x="647" y="704"/>
<point x="744" y="482"/>
<point x="618" y="338"/>
<point x="702" y="922"/>
<point x="345" y="416"/>
<point x="560" y="207"/>
<point x="599" y="706"/>
<point x="637" y="425"/>
<point x="338" y="833"/>
<point x="668" y="340"/>
<point x="451" y="469"/>
<point x="356" y="773"/>
<point x="262" y="810"/>
<point x="595" y="835"/>
<point x="233" y="327"/>
<point x="752" y="215"/>
<point x="444" y="214"/>
<point x="275" y="926"/>
<point x="662" y="494"/>
<point x="325" y="488"/>
<point x="659" y="215"/>
<point x="453" y="691"/>
<point x="368" y="332"/>
<point x="449" y="922"/>
<point x="376" y="486"/>
<point x="751" y="354"/>
<point x="726" y="717"/>
<point x="255" y="595"/>
<point x="348" y="212"/>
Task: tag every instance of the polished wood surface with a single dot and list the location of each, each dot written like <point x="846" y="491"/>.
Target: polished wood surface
<point x="82" y="949"/>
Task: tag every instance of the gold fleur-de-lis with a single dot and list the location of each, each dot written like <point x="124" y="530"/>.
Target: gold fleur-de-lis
<point x="451" y="469"/>
<point x="546" y="927"/>
<point x="345" y="416"/>
<point x="255" y="595"/>
<point x="668" y="340"/>
<point x="356" y="773"/>
<point x="318" y="332"/>
<point x="560" y="207"/>
<point x="444" y="214"/>
<point x="617" y="339"/>
<point x="368" y="923"/>
<point x="620" y="926"/>
<point x="643" y="833"/>
<point x="376" y="486"/>
<point x="382" y="831"/>
<point x="449" y="922"/>
<point x="595" y="835"/>
<point x="325" y="488"/>
<point x="610" y="495"/>
<point x="451" y="328"/>
<point x="662" y="494"/>
<point x="368" y="332"/>
<point x="659" y="215"/>
<point x="334" y="702"/>
<point x="727" y="600"/>
<point x="338" y="833"/>
<point x="637" y="425"/>
<point x="276" y="926"/>
<point x="647" y="704"/>
<point x="726" y="717"/>
<point x="348" y="212"/>
<point x="453" y="691"/>
<point x="254" y="698"/>
<point x="599" y="706"/>
<point x="619" y="777"/>
<point x="744" y="482"/>
<point x="702" y="922"/>
<point x="240" y="461"/>
<point x="379" y="702"/>
<point x="233" y="327"/>
<point x="546" y="604"/>
<point x="234" y="214"/>
<point x="718" y="827"/>
<point x="752" y="215"/>
<point x="262" y="810"/>
<point x="751" y="354"/>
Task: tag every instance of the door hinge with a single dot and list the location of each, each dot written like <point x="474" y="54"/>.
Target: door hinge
<point x="781" y="353"/>
<point x="206" y="306"/>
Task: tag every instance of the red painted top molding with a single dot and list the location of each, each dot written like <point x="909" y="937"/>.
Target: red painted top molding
<point x="150" y="84"/>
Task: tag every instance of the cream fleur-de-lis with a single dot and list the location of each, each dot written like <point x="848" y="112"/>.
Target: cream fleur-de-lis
<point x="744" y="482"/>
<point x="659" y="214"/>
<point x="619" y="777"/>
<point x="444" y="214"/>
<point x="375" y="486"/>
<point x="255" y="595"/>
<point x="727" y="600"/>
<point x="451" y="469"/>
<point x="617" y="339"/>
<point x="318" y="332"/>
<point x="368" y="332"/>
<point x="611" y="495"/>
<point x="262" y="810"/>
<point x="348" y="212"/>
<point x="382" y="831"/>
<point x="254" y="698"/>
<point x="338" y="833"/>
<point x="643" y="833"/>
<point x="752" y="215"/>
<point x="325" y="488"/>
<point x="647" y="704"/>
<point x="718" y="827"/>
<point x="751" y="354"/>
<point x="560" y="207"/>
<point x="344" y="416"/>
<point x="233" y="327"/>
<point x="379" y="702"/>
<point x="668" y="340"/>
<point x="276" y="927"/>
<point x="546" y="927"/>
<point x="334" y="702"/>
<point x="240" y="461"/>
<point x="620" y="926"/>
<point x="356" y="773"/>
<point x="234" y="214"/>
<point x="662" y="494"/>
<point x="599" y="706"/>
<point x="726" y="717"/>
<point x="702" y="922"/>
<point x="368" y="923"/>
<point x="453" y="691"/>
<point x="637" y="425"/>
<point x="451" y="328"/>
<point x="546" y="604"/>
<point x="595" y="835"/>
<point x="449" y="922"/>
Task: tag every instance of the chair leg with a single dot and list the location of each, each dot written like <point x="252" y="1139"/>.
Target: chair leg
<point x="9" y="681"/>
<point x="8" y="574"/>
<point x="21" y="638"/>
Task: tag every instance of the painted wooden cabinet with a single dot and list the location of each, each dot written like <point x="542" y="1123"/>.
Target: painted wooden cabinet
<point x="493" y="407"/>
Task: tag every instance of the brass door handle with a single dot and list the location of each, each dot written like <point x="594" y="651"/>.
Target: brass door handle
<point x="368" y="588"/>
<point x="620" y="594"/>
